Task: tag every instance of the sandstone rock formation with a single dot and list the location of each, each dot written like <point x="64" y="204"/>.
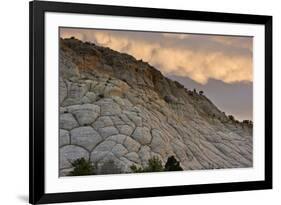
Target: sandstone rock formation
<point x="118" y="111"/>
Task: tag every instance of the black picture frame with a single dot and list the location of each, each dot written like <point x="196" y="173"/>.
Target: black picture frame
<point x="37" y="194"/>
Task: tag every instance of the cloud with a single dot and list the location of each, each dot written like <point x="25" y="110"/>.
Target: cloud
<point x="199" y="57"/>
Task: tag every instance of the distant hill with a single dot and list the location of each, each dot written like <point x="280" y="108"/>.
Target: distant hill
<point x="118" y="111"/>
<point x="233" y="98"/>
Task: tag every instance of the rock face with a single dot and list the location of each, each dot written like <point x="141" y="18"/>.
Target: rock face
<point x="117" y="111"/>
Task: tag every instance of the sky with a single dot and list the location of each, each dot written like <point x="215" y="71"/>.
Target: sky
<point x="219" y="65"/>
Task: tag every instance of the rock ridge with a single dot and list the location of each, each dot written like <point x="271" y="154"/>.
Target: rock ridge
<point x="114" y="108"/>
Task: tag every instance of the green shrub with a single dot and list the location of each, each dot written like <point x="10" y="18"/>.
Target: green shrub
<point x="172" y="164"/>
<point x="231" y="117"/>
<point x="82" y="167"/>
<point x="136" y="169"/>
<point x="154" y="165"/>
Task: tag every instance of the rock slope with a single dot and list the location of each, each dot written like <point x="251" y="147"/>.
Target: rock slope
<point x="118" y="111"/>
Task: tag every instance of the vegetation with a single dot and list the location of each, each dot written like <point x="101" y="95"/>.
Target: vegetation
<point x="190" y="93"/>
<point x="155" y="165"/>
<point x="82" y="167"/>
<point x="136" y="169"/>
<point x="172" y="164"/>
<point x="231" y="117"/>
<point x="248" y="122"/>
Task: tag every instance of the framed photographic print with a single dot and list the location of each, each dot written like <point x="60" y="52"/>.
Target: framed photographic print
<point x="140" y="102"/>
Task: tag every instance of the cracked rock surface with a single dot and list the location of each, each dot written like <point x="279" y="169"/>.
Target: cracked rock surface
<point x="117" y="111"/>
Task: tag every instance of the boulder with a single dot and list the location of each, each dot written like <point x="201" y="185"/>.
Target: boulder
<point x="134" y="118"/>
<point x="142" y="135"/>
<point x="134" y="157"/>
<point x="119" y="150"/>
<point x="86" y="137"/>
<point x="85" y="114"/>
<point x="125" y="129"/>
<point x="131" y="144"/>
<point x="119" y="139"/>
<point x="103" y="121"/>
<point x="109" y="107"/>
<point x="91" y="96"/>
<point x="105" y="146"/>
<point x="108" y="131"/>
<point x="117" y="120"/>
<point x="67" y="121"/>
